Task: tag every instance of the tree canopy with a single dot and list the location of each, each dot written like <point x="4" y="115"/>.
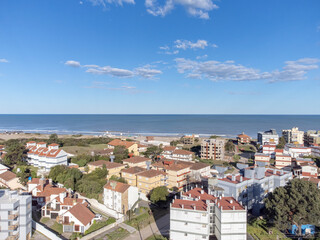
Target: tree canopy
<point x="153" y="152"/>
<point x="120" y="153"/>
<point x="118" y="179"/>
<point x="159" y="194"/>
<point x="282" y="142"/>
<point x="16" y="152"/>
<point x="296" y="203"/>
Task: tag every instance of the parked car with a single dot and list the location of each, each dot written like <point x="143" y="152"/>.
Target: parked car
<point x="98" y="216"/>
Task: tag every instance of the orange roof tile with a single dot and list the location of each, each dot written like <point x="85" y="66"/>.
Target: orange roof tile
<point x="82" y="213"/>
<point x="118" y="186"/>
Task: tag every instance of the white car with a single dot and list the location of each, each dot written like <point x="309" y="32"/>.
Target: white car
<point x="98" y="216"/>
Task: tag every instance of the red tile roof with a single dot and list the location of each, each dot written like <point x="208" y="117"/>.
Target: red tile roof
<point x="82" y="213"/>
<point x="182" y="152"/>
<point x="237" y="179"/>
<point x="199" y="193"/>
<point x="169" y="148"/>
<point x="191" y="205"/>
<point x="118" y="142"/>
<point x="118" y="186"/>
<point x="133" y="170"/>
<point x="151" y="173"/>
<point x="136" y="160"/>
<point x="7" y="176"/>
<point x="229" y="203"/>
<point x="108" y="164"/>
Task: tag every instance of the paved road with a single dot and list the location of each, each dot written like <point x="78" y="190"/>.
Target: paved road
<point x="160" y="227"/>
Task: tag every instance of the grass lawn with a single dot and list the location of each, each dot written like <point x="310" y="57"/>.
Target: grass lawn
<point x="213" y="162"/>
<point x="57" y="227"/>
<point x="141" y="220"/>
<point x="117" y="234"/>
<point x="258" y="229"/>
<point x="247" y="148"/>
<point x="97" y="225"/>
<point x="81" y="150"/>
<point x="44" y="220"/>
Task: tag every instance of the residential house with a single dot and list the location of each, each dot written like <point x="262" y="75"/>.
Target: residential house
<point x="137" y="162"/>
<point x="39" y="155"/>
<point x="132" y="147"/>
<point x="188" y="139"/>
<point x="10" y="180"/>
<point x="199" y="170"/>
<point x="3" y="168"/>
<point x="79" y="218"/>
<point x="167" y="151"/>
<point x="181" y="155"/>
<point x="213" y="149"/>
<point x="120" y="197"/>
<point x="270" y="136"/>
<point x="243" y="138"/>
<point x="269" y="149"/>
<point x="16" y="215"/>
<point x="112" y="167"/>
<point x="293" y="135"/>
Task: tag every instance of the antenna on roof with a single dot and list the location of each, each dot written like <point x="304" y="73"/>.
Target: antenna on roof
<point x="148" y="165"/>
<point x="112" y="157"/>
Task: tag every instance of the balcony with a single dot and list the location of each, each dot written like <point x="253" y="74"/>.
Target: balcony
<point x="13" y="237"/>
<point x="12" y="216"/>
<point x="13" y="227"/>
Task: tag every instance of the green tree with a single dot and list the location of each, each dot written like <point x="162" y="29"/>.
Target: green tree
<point x="118" y="179"/>
<point x="296" y="203"/>
<point x="53" y="138"/>
<point x="23" y="174"/>
<point x="214" y="137"/>
<point x="159" y="194"/>
<point x="153" y="152"/>
<point x="282" y="142"/>
<point x="120" y="153"/>
<point x="229" y="146"/>
<point x="16" y="152"/>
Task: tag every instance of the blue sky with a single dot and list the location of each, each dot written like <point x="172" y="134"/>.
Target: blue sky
<point x="169" y="56"/>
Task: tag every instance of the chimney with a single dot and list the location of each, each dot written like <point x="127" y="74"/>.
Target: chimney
<point x="112" y="158"/>
<point x="42" y="182"/>
<point x="50" y="181"/>
<point x="190" y="195"/>
<point x="233" y="177"/>
<point x="182" y="206"/>
<point x="231" y="201"/>
<point x="62" y="196"/>
<point x="233" y="208"/>
<point x="241" y="178"/>
<point x="202" y="191"/>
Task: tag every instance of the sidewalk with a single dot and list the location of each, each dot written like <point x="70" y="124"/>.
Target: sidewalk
<point x="160" y="227"/>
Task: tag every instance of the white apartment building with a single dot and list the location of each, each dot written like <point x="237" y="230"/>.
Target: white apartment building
<point x="120" y="197"/>
<point x="39" y="155"/>
<point x="297" y="151"/>
<point x="199" y="215"/>
<point x="269" y="149"/>
<point x="213" y="149"/>
<point x="15" y="215"/>
<point x="251" y="188"/>
<point x="262" y="159"/>
<point x="181" y="155"/>
<point x="270" y="136"/>
<point x="283" y="160"/>
<point x="293" y="135"/>
<point x="315" y="151"/>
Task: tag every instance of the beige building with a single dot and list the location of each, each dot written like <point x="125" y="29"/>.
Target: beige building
<point x="213" y="149"/>
<point x="137" y="162"/>
<point x="150" y="179"/>
<point x="262" y="158"/>
<point x="132" y="147"/>
<point x="112" y="167"/>
<point x="293" y="135"/>
<point x="10" y="180"/>
<point x="283" y="160"/>
<point x="188" y="139"/>
<point x="130" y="174"/>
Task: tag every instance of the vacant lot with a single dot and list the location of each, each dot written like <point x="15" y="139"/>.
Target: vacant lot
<point x="81" y="150"/>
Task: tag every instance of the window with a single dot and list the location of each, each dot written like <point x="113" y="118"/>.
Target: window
<point x="203" y="225"/>
<point x="204" y="237"/>
<point x="204" y="214"/>
<point x="186" y="234"/>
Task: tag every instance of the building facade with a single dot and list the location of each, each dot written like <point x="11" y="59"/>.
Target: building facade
<point x="212" y="149"/>
<point x="293" y="135"/>
<point x="15" y="215"/>
<point x="270" y="136"/>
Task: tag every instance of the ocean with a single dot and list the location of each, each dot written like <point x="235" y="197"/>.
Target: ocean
<point x="157" y="125"/>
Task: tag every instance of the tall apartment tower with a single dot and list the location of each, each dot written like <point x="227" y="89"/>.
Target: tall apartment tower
<point x="213" y="149"/>
<point x="15" y="215"/>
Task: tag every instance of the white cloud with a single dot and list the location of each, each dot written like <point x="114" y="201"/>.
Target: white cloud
<point x="146" y="71"/>
<point x="72" y="63"/>
<point x="3" y="60"/>
<point x="196" y="8"/>
<point x="229" y="71"/>
<point x="104" y="3"/>
<point x="185" y="44"/>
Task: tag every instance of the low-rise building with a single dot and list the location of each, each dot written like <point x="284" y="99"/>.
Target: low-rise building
<point x="199" y="215"/>
<point x="3" y="168"/>
<point x="199" y="170"/>
<point x="10" y="180"/>
<point x="293" y="135"/>
<point x="297" y="151"/>
<point x="39" y="155"/>
<point x="243" y="138"/>
<point x="137" y="162"/>
<point x="130" y="174"/>
<point x="181" y="155"/>
<point x="167" y="151"/>
<point x="262" y="159"/>
<point x="150" y="179"/>
<point x="188" y="139"/>
<point x="112" y="167"/>
<point x="251" y="188"/>
<point x="132" y="147"/>
<point x="212" y="149"/>
<point x="16" y="215"/>
<point x="120" y="197"/>
<point x="270" y="136"/>
<point x="283" y="160"/>
<point x="79" y="218"/>
<point x="269" y="149"/>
